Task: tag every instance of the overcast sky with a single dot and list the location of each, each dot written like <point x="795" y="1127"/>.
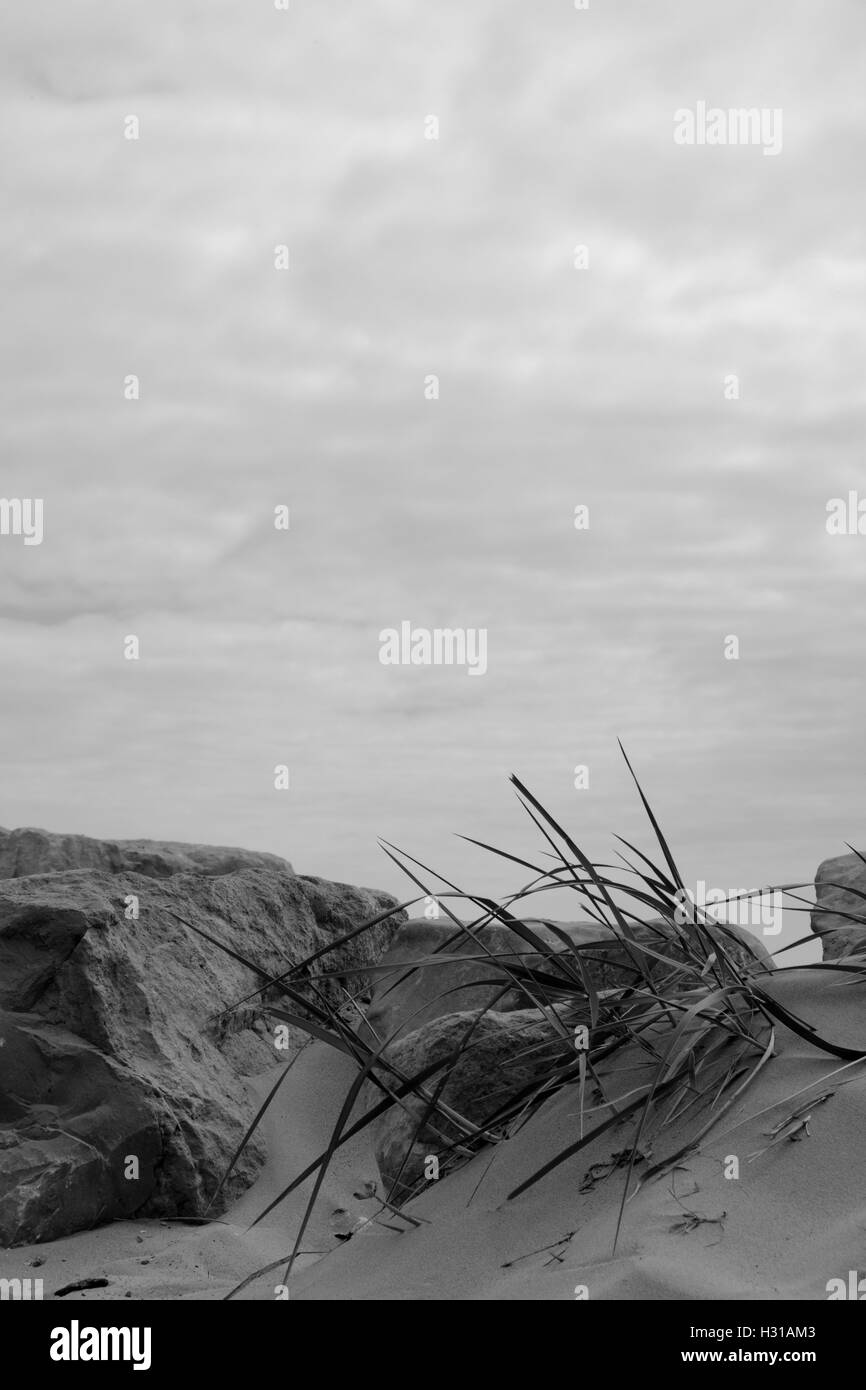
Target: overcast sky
<point x="409" y="257"/>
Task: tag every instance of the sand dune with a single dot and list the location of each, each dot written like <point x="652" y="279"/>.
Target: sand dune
<point x="794" y="1219"/>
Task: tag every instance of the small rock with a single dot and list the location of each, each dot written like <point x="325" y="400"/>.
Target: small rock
<point x="79" y="1285"/>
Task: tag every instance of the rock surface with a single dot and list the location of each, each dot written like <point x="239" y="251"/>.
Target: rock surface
<point x="837" y="883"/>
<point x="109" y="1050"/>
<point x="28" y="851"/>
<point x="505" y="1053"/>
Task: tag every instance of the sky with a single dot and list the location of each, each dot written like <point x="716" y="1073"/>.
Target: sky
<point x="606" y="386"/>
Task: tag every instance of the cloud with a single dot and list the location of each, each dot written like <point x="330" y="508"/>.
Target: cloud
<point x="557" y="387"/>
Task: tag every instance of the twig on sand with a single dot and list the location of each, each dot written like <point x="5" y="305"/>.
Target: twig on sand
<point x="563" y="1240"/>
<point x="799" y="1118"/>
<point x="692" y="1219"/>
<point x="597" y="1172"/>
<point x="800" y="1129"/>
<point x="801" y="1110"/>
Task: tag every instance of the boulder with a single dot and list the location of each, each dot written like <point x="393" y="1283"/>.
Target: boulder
<point x="28" y="851"/>
<point x="505" y="1053"/>
<point x="122" y="1089"/>
<point x="837" y="884"/>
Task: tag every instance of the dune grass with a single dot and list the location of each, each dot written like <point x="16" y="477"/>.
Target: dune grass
<point x="690" y="1006"/>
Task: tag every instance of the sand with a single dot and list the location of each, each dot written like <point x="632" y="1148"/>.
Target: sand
<point x="794" y="1219"/>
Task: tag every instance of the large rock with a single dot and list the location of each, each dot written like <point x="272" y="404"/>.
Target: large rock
<point x="28" y="851"/>
<point x="505" y="1053"/>
<point x="111" y="1048"/>
<point x="837" y="883"/>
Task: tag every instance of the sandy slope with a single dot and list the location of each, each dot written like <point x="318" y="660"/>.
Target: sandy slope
<point x="795" y="1218"/>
